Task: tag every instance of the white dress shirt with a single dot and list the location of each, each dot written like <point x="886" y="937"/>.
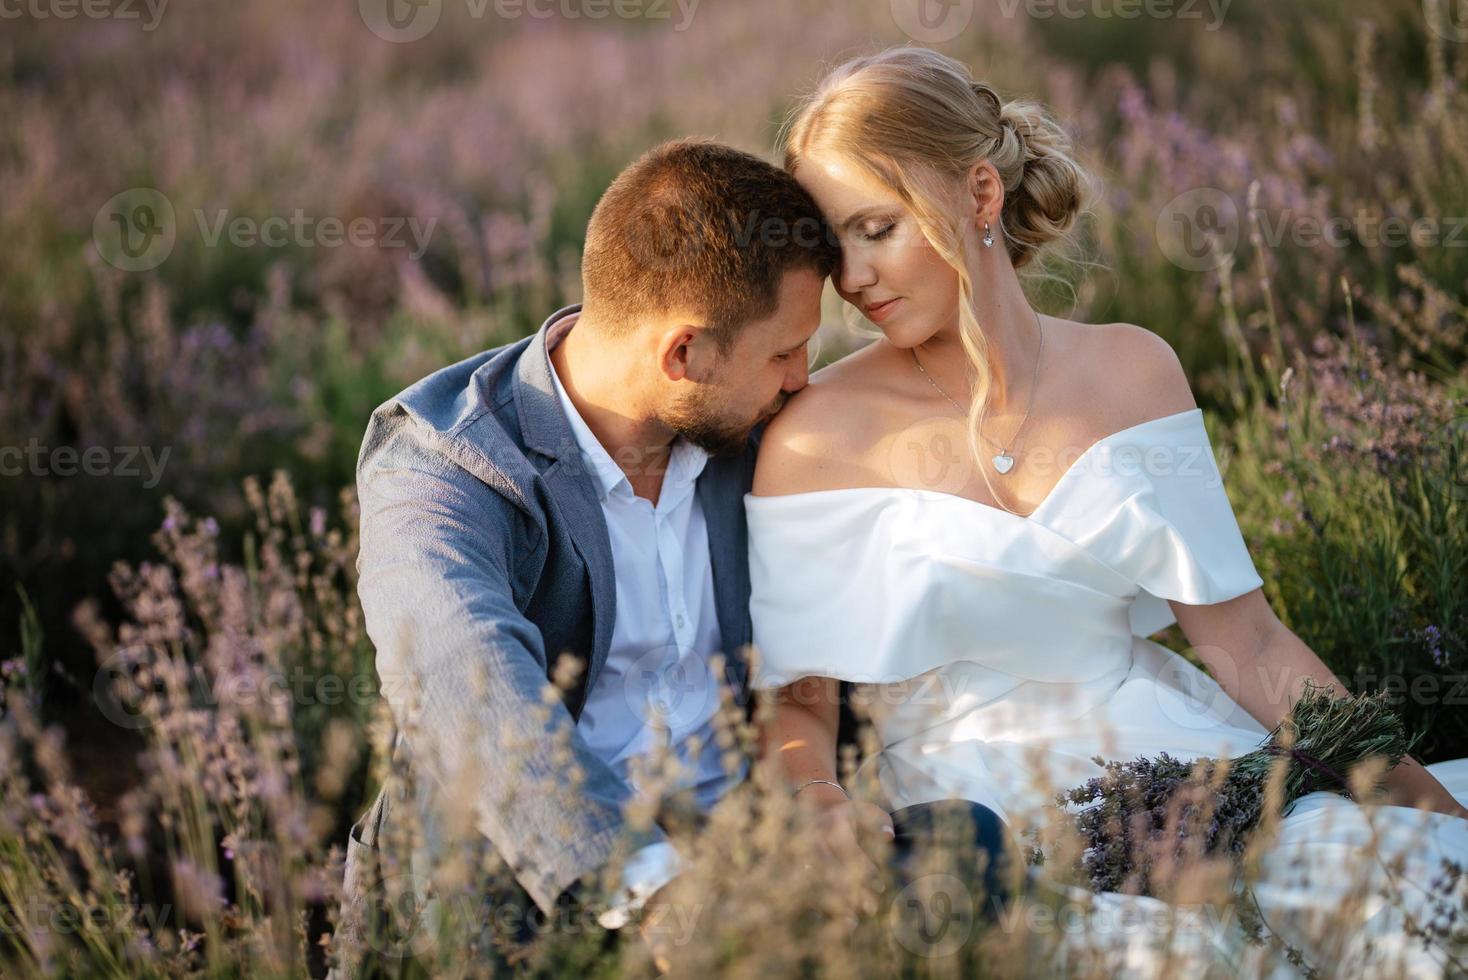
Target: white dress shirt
<point x="656" y="687"/>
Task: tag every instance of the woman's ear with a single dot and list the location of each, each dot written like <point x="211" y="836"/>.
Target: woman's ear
<point x="986" y="192"/>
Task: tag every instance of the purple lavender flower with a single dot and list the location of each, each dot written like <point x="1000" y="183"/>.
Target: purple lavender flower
<point x="1434" y="638"/>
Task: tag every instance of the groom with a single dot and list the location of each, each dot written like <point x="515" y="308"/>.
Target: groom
<point x="581" y="491"/>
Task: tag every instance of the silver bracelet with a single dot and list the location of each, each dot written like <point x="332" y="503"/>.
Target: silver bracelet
<point x="828" y="782"/>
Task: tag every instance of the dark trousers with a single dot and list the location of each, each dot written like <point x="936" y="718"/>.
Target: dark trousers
<point x="978" y="881"/>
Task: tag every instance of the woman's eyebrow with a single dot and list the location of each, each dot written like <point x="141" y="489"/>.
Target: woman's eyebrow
<point x="862" y="213"/>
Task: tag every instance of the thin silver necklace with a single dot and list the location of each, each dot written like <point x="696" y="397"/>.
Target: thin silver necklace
<point x="1002" y="460"/>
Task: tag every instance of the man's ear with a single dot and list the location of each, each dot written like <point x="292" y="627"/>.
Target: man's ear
<point x="684" y="352"/>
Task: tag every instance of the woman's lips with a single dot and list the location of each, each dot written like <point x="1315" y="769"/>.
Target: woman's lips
<point x="880" y="311"/>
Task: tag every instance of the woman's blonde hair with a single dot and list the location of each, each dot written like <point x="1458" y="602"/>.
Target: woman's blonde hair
<point x="916" y="120"/>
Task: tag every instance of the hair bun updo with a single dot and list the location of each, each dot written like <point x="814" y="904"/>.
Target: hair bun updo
<point x="1051" y="188"/>
<point x="910" y="111"/>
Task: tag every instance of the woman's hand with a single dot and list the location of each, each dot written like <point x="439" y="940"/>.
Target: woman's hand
<point x="1410" y="784"/>
<point x="842" y="825"/>
<point x="802" y="736"/>
<point x="846" y="824"/>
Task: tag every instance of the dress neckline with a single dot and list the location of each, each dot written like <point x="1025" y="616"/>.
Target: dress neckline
<point x="1029" y="518"/>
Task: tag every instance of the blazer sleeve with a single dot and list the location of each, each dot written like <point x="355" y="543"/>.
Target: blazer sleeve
<point x="465" y="672"/>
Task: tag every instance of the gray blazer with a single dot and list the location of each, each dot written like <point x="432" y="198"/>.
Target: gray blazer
<point x="484" y="554"/>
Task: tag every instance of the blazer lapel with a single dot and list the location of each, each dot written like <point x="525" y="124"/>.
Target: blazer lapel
<point x="547" y="432"/>
<point x="721" y="488"/>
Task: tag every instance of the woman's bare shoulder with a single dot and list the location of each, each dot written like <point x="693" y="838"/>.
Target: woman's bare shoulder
<point x="822" y="437"/>
<point x="1114" y="375"/>
<point x="838" y="430"/>
<point x="1142" y="367"/>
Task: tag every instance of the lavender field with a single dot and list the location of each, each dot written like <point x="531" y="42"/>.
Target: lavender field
<point x="230" y="230"/>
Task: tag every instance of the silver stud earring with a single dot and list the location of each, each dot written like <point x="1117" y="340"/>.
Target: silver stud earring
<point x="988" y="236"/>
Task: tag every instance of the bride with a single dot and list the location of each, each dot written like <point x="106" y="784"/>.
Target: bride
<point x="980" y="517"/>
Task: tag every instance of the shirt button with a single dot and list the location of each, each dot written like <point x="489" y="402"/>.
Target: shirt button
<point x="679" y="621"/>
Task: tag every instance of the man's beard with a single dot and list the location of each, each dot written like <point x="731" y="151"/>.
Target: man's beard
<point x="697" y="419"/>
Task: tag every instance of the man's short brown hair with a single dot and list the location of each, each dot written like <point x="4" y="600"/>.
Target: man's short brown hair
<point x="697" y="226"/>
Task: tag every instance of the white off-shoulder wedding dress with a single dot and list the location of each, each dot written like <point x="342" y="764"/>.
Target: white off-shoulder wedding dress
<point x="998" y="654"/>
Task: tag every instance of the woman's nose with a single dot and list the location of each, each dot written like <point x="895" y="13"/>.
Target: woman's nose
<point x="856" y="273"/>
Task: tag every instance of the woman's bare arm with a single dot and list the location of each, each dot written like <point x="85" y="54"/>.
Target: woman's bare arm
<point x="802" y="735"/>
<point x="1263" y="665"/>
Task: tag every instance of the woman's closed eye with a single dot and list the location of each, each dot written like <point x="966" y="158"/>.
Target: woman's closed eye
<point x="878" y="233"/>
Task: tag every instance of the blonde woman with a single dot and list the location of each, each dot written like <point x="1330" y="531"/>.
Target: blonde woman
<point x="980" y="517"/>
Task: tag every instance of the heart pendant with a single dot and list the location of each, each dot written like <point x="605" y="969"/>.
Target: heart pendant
<point x="1003" y="463"/>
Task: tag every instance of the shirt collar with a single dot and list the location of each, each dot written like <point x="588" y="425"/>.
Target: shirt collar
<point x="686" y="460"/>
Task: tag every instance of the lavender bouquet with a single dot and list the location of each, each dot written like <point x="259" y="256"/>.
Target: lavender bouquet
<point x="1142" y="817"/>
